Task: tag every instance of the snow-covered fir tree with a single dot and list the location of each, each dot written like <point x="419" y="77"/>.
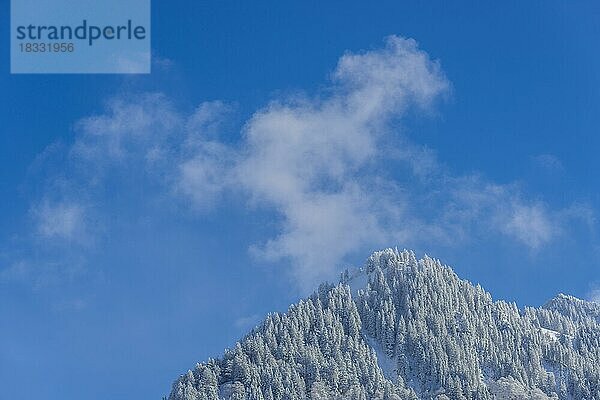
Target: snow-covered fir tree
<point x="402" y="328"/>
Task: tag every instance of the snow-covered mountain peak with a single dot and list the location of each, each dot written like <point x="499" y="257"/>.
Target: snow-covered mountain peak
<point x="567" y="297"/>
<point x="409" y="329"/>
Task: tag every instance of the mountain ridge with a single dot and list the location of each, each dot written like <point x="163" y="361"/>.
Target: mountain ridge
<point x="406" y="328"/>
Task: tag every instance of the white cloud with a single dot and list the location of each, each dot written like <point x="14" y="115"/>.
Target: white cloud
<point x="549" y="163"/>
<point x="594" y="294"/>
<point x="40" y="273"/>
<point x="334" y="168"/>
<point x="131" y="127"/>
<point x="60" y="220"/>
<point x="310" y="159"/>
<point x="531" y="224"/>
<point x="247" y="322"/>
<point x="203" y="177"/>
<point x="18" y="271"/>
<point x="321" y="163"/>
<point x="389" y="80"/>
<point x="204" y="165"/>
<point x="131" y="62"/>
<point x="502" y="209"/>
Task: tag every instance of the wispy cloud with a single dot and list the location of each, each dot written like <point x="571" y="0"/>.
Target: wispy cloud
<point x="70" y="305"/>
<point x="62" y="220"/>
<point x="477" y="204"/>
<point x="247" y="322"/>
<point x="39" y="274"/>
<point x="325" y="164"/>
<point x="315" y="160"/>
<point x="594" y="294"/>
<point x="549" y="163"/>
<point x="133" y="127"/>
<point x="335" y="168"/>
<point x="529" y="223"/>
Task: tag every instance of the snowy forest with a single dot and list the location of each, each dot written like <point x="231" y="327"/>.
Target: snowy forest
<point x="408" y="328"/>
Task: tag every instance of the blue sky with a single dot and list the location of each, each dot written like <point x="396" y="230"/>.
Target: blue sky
<point x="147" y="222"/>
